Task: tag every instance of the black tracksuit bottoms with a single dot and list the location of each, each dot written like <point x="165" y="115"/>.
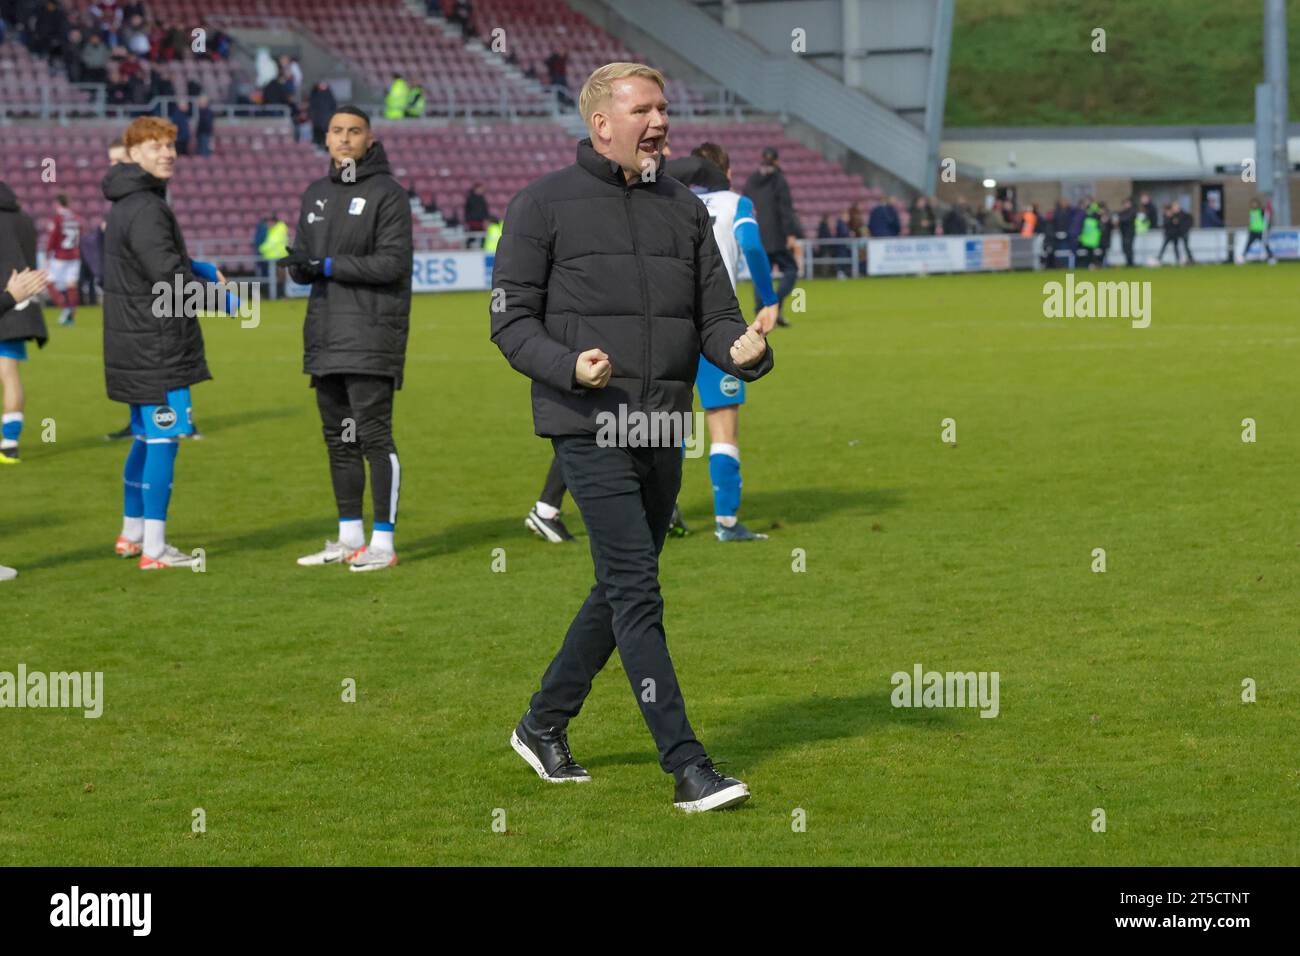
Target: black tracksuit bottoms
<point x="626" y="498"/>
<point x="356" y="413"/>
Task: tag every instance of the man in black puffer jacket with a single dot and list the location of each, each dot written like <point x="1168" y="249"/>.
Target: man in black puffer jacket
<point x="607" y="284"/>
<point x="153" y="346"/>
<point x="353" y="245"/>
<point x="20" y="315"/>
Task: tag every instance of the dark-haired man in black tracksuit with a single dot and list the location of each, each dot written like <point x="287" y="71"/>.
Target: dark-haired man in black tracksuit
<point x="353" y="246"/>
<point x="613" y="284"/>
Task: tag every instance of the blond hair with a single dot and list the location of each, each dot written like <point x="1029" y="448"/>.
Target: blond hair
<point x="600" y="85"/>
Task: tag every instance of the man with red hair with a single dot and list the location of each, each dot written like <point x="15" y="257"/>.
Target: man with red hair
<point x="153" y="349"/>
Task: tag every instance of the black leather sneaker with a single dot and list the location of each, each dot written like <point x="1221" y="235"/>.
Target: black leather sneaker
<point x="547" y="752"/>
<point x="700" y="787"/>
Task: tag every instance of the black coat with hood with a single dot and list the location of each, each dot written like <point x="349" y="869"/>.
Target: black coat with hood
<point x="17" y="251"/>
<point x="587" y="261"/>
<point x="358" y="320"/>
<point x="773" y="208"/>
<point x="145" y="354"/>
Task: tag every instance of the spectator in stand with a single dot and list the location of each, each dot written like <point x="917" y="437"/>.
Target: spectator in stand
<point x="957" y="222"/>
<point x="72" y="44"/>
<point x="398" y="96"/>
<point x="160" y="85"/>
<point x="290" y="67"/>
<point x="219" y="46"/>
<point x="135" y="37"/>
<point x="1060" y="241"/>
<point x="205" y="126"/>
<point x="883" y="221"/>
<point x="1030" y="221"/>
<point x="996" y="221"/>
<point x="94" y="60"/>
<point x="181" y="114"/>
<point x="321" y="105"/>
<point x="923" y="221"/>
<point x="175" y="44"/>
<point x="49" y="29"/>
<point x="476" y="214"/>
<point x="301" y="122"/>
<point x="855" y="222"/>
<point x="416" y="106"/>
<point x="116" y="91"/>
<point x="276" y="92"/>
<point x="557" y="75"/>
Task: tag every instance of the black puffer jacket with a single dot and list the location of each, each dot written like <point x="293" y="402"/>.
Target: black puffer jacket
<point x="357" y="320"/>
<point x="586" y="261"/>
<point x="17" y="251"/>
<point x="145" y="355"/>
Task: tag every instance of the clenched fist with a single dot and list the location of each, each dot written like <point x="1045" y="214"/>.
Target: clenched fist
<point x="593" y="369"/>
<point x="747" y="351"/>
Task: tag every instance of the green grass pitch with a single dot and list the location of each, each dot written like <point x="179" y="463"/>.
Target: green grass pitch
<point x="1119" y="690"/>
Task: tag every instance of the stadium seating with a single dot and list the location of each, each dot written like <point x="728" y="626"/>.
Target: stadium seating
<point x="25" y="78"/>
<point x="440" y="161"/>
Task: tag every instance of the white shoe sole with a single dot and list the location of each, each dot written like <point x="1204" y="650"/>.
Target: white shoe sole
<point x="539" y="529"/>
<point x="313" y="561"/>
<point x="363" y="568"/>
<point x="536" y="764"/>
<point x="728" y="797"/>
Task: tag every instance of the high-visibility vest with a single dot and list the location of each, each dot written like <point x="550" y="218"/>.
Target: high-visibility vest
<point x="276" y="244"/>
<point x="1257" y="221"/>
<point x="1090" y="234"/>
<point x="492" y="237"/>
<point x="399" y="94"/>
<point x="1141" y="223"/>
<point x="1028" y="223"/>
<point x="415" y="108"/>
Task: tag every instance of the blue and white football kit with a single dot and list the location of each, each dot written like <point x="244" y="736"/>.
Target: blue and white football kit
<point x="736" y="232"/>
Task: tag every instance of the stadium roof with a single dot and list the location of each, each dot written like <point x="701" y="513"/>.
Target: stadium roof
<point x="1171" y="153"/>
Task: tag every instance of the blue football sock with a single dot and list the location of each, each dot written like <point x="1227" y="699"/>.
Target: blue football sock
<point x="12" y="428"/>
<point x="158" y="468"/>
<point x="133" y="480"/>
<point x="724" y="471"/>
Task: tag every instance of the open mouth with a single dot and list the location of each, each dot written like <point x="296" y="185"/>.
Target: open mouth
<point x="650" y="144"/>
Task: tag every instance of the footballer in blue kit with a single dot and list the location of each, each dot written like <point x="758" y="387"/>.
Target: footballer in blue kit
<point x="735" y="229"/>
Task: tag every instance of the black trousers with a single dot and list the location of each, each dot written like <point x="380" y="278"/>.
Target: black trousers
<point x="1127" y="242"/>
<point x="783" y="259"/>
<point x="553" y="489"/>
<point x="1175" y="240"/>
<point x="356" y="413"/>
<point x="626" y="497"/>
<point x="1253" y="238"/>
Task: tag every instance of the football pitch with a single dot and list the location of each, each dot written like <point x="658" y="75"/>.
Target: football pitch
<point x="1120" y="690"/>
